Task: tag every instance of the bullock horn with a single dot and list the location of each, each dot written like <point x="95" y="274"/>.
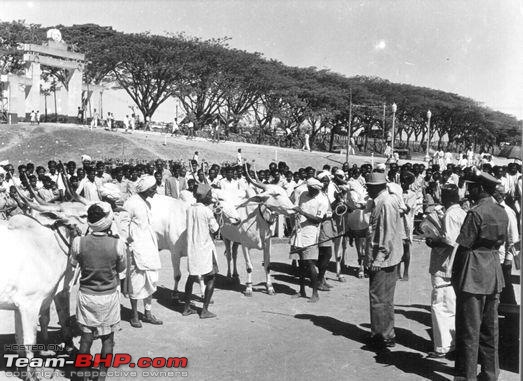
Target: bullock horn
<point x="33" y="192"/>
<point x="74" y="196"/>
<point x="256" y="183"/>
<point x="64" y="180"/>
<point x="18" y="198"/>
<point x="36" y="206"/>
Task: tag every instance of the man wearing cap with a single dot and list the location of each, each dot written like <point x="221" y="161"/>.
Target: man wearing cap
<point x="478" y="279"/>
<point x="384" y="250"/>
<point x="145" y="261"/>
<point x="201" y="252"/>
<point x="101" y="258"/>
<point x="311" y="212"/>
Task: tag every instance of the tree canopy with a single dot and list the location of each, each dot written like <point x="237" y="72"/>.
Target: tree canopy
<point x="215" y="82"/>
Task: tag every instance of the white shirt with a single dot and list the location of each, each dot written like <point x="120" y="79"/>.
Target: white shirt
<point x="308" y="232"/>
<point x="145" y="245"/>
<point x="506" y="250"/>
<point x="229" y="186"/>
<point x="463" y="162"/>
<point x="89" y="188"/>
<point x="200" y="245"/>
<point x="470" y="155"/>
<point x="288" y="186"/>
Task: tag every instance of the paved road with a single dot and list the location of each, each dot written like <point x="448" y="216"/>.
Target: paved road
<point x="281" y="338"/>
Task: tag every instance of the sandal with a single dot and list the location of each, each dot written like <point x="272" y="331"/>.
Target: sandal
<point x="341" y="279"/>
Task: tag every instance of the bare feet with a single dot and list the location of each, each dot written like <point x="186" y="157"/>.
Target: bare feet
<point x="206" y="314"/>
<point x="188" y="311"/>
<point x="299" y="295"/>
<point x="313" y="299"/>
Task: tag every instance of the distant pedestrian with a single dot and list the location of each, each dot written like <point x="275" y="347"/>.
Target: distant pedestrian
<point x="80" y="115"/>
<point x="239" y="159"/>
<point x="94" y="120"/>
<point x="32" y="117"/>
<point x="175" y="128"/>
<point x="37" y="117"/>
<point x="126" y="123"/>
<point x="217" y="132"/>
<point x="132" y="122"/>
<point x="306" y="145"/>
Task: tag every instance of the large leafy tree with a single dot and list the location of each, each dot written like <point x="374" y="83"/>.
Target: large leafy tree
<point x="12" y="34"/>
<point x="147" y="67"/>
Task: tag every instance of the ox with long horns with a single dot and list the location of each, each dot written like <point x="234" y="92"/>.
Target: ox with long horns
<point x="34" y="265"/>
<point x="257" y="213"/>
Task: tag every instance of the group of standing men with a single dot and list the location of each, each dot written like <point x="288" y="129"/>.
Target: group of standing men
<point x="469" y="257"/>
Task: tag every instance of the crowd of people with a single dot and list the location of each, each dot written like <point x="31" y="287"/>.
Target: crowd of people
<point x="468" y="216"/>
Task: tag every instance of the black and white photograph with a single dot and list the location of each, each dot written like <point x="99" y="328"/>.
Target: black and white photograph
<point x="261" y="190"/>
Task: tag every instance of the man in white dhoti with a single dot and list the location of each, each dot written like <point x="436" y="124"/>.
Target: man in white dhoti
<point x="201" y="252"/>
<point x="101" y="258"/>
<point x="145" y="258"/>
<point x="443" y="298"/>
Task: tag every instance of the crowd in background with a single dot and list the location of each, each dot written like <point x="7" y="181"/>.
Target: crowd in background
<point x="379" y="209"/>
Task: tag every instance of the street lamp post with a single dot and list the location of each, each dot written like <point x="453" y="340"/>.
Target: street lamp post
<point x="427" y="156"/>
<point x="394" y="108"/>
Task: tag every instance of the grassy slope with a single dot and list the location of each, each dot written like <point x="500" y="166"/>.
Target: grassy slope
<point x="23" y="143"/>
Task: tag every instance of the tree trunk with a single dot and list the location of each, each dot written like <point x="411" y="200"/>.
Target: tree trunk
<point x="55" y="106"/>
<point x="45" y="106"/>
<point x="331" y="140"/>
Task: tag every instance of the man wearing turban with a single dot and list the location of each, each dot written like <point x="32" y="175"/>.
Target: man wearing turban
<point x="145" y="257"/>
<point x="101" y="257"/>
<point x="304" y="241"/>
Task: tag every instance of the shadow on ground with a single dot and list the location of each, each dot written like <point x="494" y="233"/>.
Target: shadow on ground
<point x="408" y="362"/>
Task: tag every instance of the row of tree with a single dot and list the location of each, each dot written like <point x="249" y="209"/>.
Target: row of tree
<point x="215" y="82"/>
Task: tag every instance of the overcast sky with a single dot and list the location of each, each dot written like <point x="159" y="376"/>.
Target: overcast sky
<point x="473" y="48"/>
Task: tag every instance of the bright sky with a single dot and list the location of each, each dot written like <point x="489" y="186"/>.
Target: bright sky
<point x="470" y="47"/>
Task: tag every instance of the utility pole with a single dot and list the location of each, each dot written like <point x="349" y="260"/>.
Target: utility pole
<point x="349" y="130"/>
<point x="384" y="116"/>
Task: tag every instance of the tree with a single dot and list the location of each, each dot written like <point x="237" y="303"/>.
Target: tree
<point x="202" y="85"/>
<point x="12" y="34"/>
<point x="97" y="43"/>
<point x="146" y="67"/>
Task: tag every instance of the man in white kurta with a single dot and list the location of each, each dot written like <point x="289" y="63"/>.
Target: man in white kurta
<point x="145" y="261"/>
<point x="201" y="252"/>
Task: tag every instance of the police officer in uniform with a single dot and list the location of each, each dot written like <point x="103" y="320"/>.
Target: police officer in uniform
<point x="478" y="280"/>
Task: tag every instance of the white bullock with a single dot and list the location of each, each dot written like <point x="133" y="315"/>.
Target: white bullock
<point x="257" y="214"/>
<point x="34" y="260"/>
<point x="170" y="225"/>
